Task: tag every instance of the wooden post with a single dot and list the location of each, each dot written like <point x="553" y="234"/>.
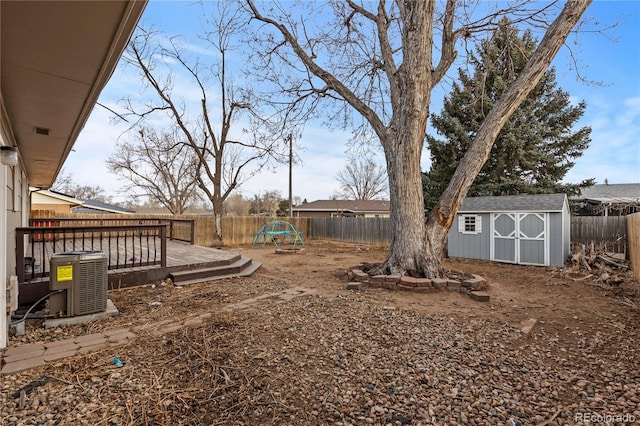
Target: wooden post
<point x="163" y="245"/>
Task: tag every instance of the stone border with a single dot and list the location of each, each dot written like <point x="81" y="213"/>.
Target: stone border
<point x="296" y="250"/>
<point x="360" y="280"/>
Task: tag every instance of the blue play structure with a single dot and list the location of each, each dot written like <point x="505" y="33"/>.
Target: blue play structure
<point x="278" y="232"/>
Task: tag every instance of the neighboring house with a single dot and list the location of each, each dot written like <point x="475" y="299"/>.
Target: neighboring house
<point x="52" y="201"/>
<point x="607" y="200"/>
<point x="57" y="202"/>
<point x="56" y="59"/>
<point x="522" y="229"/>
<point x="98" y="207"/>
<point x="341" y="208"/>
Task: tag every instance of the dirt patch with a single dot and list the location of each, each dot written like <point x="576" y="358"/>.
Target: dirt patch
<point x="557" y="296"/>
<point x="332" y="356"/>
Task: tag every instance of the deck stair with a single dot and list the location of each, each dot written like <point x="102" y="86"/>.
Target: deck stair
<point x="238" y="266"/>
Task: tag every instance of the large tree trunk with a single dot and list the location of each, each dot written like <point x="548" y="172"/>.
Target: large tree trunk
<point x="407" y="206"/>
<point x="403" y="142"/>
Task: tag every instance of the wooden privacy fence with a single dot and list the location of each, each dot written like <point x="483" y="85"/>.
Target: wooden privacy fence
<point x="633" y="235"/>
<point x="235" y="230"/>
<point x="238" y="230"/>
<point x="366" y="230"/>
<point x="610" y="231"/>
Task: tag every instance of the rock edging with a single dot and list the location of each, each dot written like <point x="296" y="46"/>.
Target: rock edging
<point x="469" y="284"/>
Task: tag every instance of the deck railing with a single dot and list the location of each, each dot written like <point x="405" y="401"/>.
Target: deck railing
<point x="179" y="229"/>
<point x="126" y="246"/>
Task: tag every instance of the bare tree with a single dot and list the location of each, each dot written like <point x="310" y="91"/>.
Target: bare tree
<point x="65" y="184"/>
<point x="383" y="63"/>
<point x="237" y="205"/>
<point x="269" y="202"/>
<point x="209" y="119"/>
<point x="160" y="165"/>
<point x="266" y="203"/>
<point x="363" y="180"/>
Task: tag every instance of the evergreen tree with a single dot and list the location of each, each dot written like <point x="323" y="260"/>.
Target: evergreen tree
<point x="535" y="148"/>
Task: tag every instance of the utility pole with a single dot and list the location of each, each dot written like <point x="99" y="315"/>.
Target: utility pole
<point x="290" y="175"/>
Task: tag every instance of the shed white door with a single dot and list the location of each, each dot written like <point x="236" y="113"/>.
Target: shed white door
<point x="520" y="238"/>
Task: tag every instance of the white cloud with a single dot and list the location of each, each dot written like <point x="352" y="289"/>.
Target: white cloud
<point x="614" y="152"/>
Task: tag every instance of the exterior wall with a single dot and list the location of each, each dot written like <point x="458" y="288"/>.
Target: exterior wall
<point x="54" y="208"/>
<point x="4" y="237"/>
<point x="14" y="213"/>
<point x="471" y="246"/>
<point x="377" y="214"/>
<point x="43" y="202"/>
<point x="17" y="196"/>
<point x="312" y="214"/>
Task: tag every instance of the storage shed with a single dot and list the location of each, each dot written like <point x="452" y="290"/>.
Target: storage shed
<point x="522" y="229"/>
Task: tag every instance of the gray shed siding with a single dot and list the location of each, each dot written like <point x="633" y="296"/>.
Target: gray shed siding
<point x="525" y="212"/>
<point x="557" y="254"/>
<point x="471" y="246"/>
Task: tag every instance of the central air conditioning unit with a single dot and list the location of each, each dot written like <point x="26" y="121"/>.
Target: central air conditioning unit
<point x="83" y="277"/>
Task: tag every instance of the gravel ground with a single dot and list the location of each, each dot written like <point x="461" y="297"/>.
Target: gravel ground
<point x="337" y="357"/>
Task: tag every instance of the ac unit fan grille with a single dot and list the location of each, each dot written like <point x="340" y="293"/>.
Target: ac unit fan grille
<point x="92" y="287"/>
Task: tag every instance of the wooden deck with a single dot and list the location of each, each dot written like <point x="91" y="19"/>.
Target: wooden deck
<point x="180" y="256"/>
<point x="132" y="256"/>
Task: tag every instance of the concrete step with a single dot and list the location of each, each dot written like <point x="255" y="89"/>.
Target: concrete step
<point x="244" y="266"/>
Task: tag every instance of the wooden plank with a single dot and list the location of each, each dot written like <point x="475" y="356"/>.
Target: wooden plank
<point x="633" y="233"/>
<point x="528" y="325"/>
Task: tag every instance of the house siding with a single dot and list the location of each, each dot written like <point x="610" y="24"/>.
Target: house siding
<point x="16" y="214"/>
<point x="312" y="214"/>
<point x="13" y="214"/>
<point x="53" y="208"/>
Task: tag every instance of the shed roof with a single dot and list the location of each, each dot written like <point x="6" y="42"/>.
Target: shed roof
<point x="514" y="203"/>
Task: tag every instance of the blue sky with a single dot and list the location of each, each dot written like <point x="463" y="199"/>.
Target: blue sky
<point x="613" y="111"/>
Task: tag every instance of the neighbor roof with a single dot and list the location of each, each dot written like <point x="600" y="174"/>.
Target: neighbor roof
<point x="93" y="206"/>
<point x="43" y="194"/>
<point x="611" y="193"/>
<point x="354" y="206"/>
<point x="513" y="203"/>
